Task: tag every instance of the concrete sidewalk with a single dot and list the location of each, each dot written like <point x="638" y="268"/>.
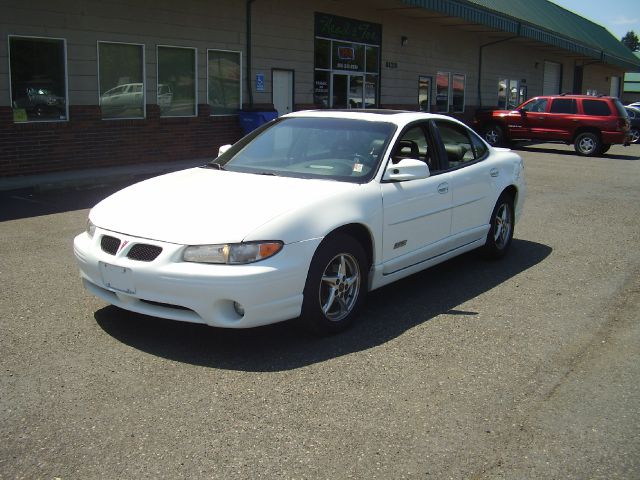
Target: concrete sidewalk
<point x="92" y="177"/>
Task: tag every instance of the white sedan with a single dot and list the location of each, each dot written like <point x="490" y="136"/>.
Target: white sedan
<point x="302" y="218"/>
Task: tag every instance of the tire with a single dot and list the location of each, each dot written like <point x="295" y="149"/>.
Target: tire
<point x="605" y="148"/>
<point x="336" y="285"/>
<point x="501" y="228"/>
<point x="587" y="144"/>
<point x="635" y="135"/>
<point x="493" y="135"/>
<point x="40" y="110"/>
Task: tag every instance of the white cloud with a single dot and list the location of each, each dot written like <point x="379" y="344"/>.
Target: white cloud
<point x="620" y="20"/>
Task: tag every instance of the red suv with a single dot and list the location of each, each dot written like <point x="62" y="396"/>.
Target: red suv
<point x="591" y="123"/>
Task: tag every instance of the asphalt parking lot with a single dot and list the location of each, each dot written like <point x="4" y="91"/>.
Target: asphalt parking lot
<point x="526" y="368"/>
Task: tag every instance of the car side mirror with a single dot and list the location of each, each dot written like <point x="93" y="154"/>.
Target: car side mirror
<point x="223" y="149"/>
<point x="405" y="170"/>
<point x="523" y="112"/>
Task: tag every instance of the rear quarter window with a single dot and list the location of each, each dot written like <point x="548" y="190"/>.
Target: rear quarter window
<point x="596" y="107"/>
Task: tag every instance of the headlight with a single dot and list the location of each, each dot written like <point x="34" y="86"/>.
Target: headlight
<point x="231" y="253"/>
<point x="91" y="228"/>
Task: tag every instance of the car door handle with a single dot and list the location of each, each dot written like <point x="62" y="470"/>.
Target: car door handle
<point x="443" y="188"/>
<point x="494" y="172"/>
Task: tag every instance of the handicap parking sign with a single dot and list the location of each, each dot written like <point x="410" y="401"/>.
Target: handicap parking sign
<point x="259" y="82"/>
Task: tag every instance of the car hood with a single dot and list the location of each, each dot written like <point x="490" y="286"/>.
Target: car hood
<point x="206" y="206"/>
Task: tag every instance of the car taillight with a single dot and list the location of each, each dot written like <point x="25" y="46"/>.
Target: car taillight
<point x="623" y="124"/>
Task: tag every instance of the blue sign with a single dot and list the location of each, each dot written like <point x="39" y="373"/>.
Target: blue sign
<point x="259" y="82"/>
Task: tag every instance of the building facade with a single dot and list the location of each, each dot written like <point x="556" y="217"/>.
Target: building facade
<point x="89" y="83"/>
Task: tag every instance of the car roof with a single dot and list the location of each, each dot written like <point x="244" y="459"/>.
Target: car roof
<point x="566" y="95"/>
<point x="398" y="117"/>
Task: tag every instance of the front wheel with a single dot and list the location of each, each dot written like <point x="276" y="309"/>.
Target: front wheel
<point x="587" y="144"/>
<point x="493" y="135"/>
<point x="336" y="285"/>
<point x="635" y="135"/>
<point x="501" y="228"/>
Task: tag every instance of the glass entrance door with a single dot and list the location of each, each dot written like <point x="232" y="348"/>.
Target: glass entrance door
<point x="347" y="90"/>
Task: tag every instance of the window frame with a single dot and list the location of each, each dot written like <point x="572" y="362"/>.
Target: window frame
<point x="66" y="76"/>
<point x="195" y="79"/>
<point x="144" y="78"/>
<point x="239" y="52"/>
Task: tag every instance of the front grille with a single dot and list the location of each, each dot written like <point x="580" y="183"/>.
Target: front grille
<point x="109" y="244"/>
<point x="144" y="252"/>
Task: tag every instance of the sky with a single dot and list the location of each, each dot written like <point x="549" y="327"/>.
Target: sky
<point x="617" y="16"/>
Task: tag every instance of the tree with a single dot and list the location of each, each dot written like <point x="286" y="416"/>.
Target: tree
<point x="631" y="41"/>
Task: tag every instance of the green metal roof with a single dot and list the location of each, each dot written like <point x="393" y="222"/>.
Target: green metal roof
<point x="540" y="20"/>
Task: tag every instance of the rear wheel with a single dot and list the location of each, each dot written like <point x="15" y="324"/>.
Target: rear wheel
<point x="336" y="285"/>
<point x="501" y="231"/>
<point x="635" y="135"/>
<point x="587" y="144"/>
<point x="493" y="135"/>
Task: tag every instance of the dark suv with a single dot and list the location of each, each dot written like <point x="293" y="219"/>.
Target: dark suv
<point x="591" y="123"/>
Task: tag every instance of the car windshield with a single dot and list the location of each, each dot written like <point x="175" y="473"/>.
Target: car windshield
<point x="310" y="147"/>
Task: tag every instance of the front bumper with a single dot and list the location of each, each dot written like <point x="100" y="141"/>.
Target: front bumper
<point x="167" y="287"/>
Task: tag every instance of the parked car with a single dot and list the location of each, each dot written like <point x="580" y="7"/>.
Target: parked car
<point x="591" y="124"/>
<point x="302" y="217"/>
<point x="634" y="119"/>
<point x="120" y="99"/>
<point x="634" y="105"/>
<point x="40" y="102"/>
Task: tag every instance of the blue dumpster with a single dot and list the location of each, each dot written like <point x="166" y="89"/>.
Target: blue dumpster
<point x="252" y="119"/>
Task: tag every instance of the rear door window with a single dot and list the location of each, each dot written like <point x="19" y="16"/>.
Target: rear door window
<point x="460" y="144"/>
<point x="564" y="105"/>
<point x="596" y="107"/>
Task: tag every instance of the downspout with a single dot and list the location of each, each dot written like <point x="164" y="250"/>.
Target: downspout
<point x="480" y="63"/>
<point x="248" y="73"/>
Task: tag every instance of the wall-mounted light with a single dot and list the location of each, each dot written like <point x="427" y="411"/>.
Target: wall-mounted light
<point x="404" y="40"/>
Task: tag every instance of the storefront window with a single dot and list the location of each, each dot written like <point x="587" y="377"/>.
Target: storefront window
<point x="224" y="82"/>
<point x="372" y="59"/>
<point x="347" y="62"/>
<point x="321" y="89"/>
<point x="458" y="92"/>
<point x="121" y="80"/>
<point x="510" y="94"/>
<point x="38" y="79"/>
<point x="176" y="81"/>
<point x="323" y="53"/>
<point x="424" y="93"/>
<point x="502" y="93"/>
<point x="442" y="92"/>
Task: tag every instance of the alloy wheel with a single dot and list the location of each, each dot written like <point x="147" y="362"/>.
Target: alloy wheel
<point x="502" y="227"/>
<point x="340" y="287"/>
<point x="587" y="145"/>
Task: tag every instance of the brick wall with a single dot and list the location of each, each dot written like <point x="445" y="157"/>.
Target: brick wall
<point x="87" y="141"/>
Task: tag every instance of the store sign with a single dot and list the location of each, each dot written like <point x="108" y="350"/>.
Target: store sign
<point x="341" y="28"/>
